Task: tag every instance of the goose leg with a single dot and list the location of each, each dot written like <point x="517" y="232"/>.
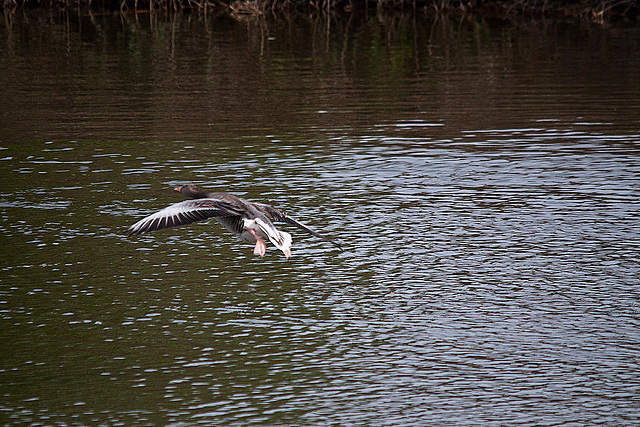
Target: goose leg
<point x="261" y="246"/>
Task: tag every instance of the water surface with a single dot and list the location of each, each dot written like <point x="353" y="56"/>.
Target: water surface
<point x="483" y="177"/>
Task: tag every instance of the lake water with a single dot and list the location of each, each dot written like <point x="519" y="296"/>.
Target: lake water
<point x="483" y="177"/>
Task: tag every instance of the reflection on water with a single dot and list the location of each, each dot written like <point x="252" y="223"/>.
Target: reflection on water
<point x="483" y="177"/>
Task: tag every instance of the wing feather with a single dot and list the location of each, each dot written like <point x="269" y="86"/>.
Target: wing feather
<point x="281" y="239"/>
<point x="278" y="215"/>
<point x="183" y="213"/>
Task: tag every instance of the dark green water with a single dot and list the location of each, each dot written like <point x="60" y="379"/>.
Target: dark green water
<point x="483" y="176"/>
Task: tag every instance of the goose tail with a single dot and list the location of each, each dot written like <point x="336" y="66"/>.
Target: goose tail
<point x="281" y="239"/>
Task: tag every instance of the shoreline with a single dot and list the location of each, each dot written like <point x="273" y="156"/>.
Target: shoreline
<point x="598" y="11"/>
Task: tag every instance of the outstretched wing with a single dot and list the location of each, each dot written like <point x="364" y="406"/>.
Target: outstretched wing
<point x="278" y="215"/>
<point x="184" y="213"/>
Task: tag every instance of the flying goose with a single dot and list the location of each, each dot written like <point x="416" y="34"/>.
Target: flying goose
<point x="250" y="221"/>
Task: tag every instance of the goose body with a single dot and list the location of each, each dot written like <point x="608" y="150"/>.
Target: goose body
<point x="251" y="222"/>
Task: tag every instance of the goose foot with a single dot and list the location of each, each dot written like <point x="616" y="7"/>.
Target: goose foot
<point x="261" y="247"/>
